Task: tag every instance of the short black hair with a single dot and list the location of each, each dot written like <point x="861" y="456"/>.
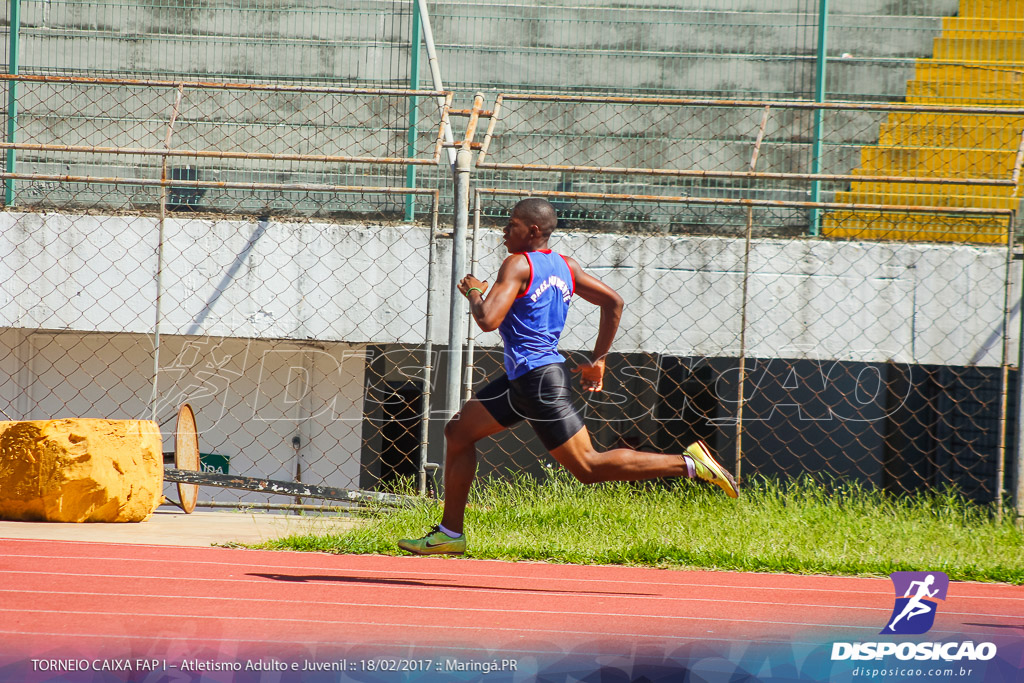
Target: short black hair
<point x="538" y="211"/>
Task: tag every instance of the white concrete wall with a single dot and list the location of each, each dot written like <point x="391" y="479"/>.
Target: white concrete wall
<point x="224" y="278"/>
<point x="915" y="303"/>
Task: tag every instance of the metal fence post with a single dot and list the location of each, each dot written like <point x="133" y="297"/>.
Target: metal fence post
<point x="463" y="165"/>
<point x="12" y="97"/>
<point x="470" y="357"/>
<point x="819" y="96"/>
<point x="457" y="315"/>
<point x="1004" y="374"/>
<point x="428" y="348"/>
<point x="743" y="305"/>
<point x="157" y="303"/>
<point x="1018" y="470"/>
<point x="414" y="101"/>
<point x="435" y="75"/>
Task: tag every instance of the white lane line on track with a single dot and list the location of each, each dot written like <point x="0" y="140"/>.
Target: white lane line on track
<point x="444" y="628"/>
<point x="446" y="589"/>
<point x="451" y="576"/>
<point x="327" y="579"/>
<point x="266" y="600"/>
<point x="430" y="646"/>
<point x="441" y="608"/>
<point x="449" y="610"/>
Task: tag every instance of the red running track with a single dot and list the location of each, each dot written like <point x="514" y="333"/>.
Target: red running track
<point x="136" y="600"/>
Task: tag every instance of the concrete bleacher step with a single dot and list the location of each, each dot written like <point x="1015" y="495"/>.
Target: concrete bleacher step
<point x="666" y="45"/>
<point x="951" y="196"/>
<point x="306" y="20"/>
<point x="917" y="193"/>
<point x="983" y="48"/>
<point x="110" y="54"/>
<point x="995" y="83"/>
<point x="677" y="27"/>
<point x="878" y="225"/>
<point x="951" y="130"/>
<point x="982" y="94"/>
<point x="992" y="9"/>
<point x="923" y="161"/>
<point x="975" y="27"/>
<point x="862" y="7"/>
<point x="996" y="72"/>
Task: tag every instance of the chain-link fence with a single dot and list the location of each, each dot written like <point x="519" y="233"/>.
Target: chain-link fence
<point x="847" y="308"/>
<point x="169" y="242"/>
<point x="868" y="335"/>
<point x="867" y="361"/>
<point x="949" y="51"/>
<point x="220" y="143"/>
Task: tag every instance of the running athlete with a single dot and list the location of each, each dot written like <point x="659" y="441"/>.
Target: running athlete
<point x="528" y="304"/>
<point x="916" y="606"/>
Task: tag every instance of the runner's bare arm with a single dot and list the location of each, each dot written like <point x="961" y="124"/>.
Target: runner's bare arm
<point x="513" y="278"/>
<point x="590" y="289"/>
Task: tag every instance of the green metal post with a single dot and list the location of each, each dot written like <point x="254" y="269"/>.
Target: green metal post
<point x="414" y="83"/>
<point x="12" y="98"/>
<point x="819" y="96"/>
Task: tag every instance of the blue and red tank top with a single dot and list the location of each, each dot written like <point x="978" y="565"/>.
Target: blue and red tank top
<point x="531" y="329"/>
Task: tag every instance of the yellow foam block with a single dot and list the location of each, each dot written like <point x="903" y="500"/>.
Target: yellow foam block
<point x="80" y="470"/>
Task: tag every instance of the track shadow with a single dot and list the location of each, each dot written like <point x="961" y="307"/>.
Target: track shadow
<point x="308" y="578"/>
<point x="1014" y="627"/>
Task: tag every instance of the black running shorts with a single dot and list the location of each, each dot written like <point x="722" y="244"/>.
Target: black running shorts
<point x="542" y="397"/>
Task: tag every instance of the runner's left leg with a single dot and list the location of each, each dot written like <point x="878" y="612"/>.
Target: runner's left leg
<point x="620" y="464"/>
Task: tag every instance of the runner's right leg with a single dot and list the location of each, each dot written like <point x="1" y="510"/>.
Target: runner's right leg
<point x="469" y="425"/>
<point x="472" y="423"/>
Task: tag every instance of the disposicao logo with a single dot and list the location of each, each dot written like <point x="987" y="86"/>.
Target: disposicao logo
<point x="916" y="595"/>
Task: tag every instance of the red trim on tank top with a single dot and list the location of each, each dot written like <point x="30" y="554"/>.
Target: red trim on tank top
<point x="571" y="274"/>
<point x="530" y="284"/>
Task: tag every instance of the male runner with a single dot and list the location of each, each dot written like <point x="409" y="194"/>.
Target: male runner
<point x="528" y="305"/>
<point x="916" y="606"/>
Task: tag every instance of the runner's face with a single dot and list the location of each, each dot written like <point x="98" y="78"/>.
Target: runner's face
<point x="517" y="234"/>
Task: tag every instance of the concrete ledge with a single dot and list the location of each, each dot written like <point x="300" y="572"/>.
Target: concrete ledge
<point x="171" y="526"/>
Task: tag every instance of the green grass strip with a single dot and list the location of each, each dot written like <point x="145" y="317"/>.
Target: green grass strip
<point x="803" y="527"/>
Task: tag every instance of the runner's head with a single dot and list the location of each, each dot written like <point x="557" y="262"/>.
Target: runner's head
<point x="530" y="225"/>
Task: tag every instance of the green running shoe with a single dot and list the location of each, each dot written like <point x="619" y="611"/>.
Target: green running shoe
<point x="436" y="542"/>
<point x="708" y="469"/>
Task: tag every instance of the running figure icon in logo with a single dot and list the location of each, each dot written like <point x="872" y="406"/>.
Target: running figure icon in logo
<point x="915" y="608"/>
